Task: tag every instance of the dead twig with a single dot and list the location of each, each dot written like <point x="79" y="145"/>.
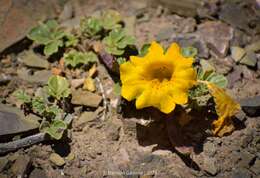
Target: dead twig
<point x="24" y="142"/>
<point x="104" y="98"/>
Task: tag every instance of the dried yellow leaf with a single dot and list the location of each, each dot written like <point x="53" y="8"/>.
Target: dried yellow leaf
<point x="226" y="108"/>
<point x="89" y="84"/>
<point x="92" y="71"/>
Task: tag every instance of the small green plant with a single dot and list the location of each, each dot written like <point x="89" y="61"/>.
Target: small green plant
<point x="54" y="128"/>
<point x="51" y="36"/>
<point x="58" y="87"/>
<point x="121" y="60"/>
<point x="71" y="40"/>
<point x="189" y="51"/>
<point x="90" y="26"/>
<point x="144" y="49"/>
<point x="75" y="58"/>
<point x="52" y="115"/>
<point x="117" y="40"/>
<point x="200" y="92"/>
<point x="110" y="19"/>
<point x="94" y="25"/>
<point x="22" y="96"/>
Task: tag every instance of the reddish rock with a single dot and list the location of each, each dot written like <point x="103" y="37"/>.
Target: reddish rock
<point x="18" y="17"/>
<point x="217" y="36"/>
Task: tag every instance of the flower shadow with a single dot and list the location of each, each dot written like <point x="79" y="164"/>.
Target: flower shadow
<point x="165" y="131"/>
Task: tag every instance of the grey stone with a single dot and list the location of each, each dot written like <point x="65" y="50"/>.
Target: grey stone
<point x="130" y="25"/>
<point x="251" y="106"/>
<point x="112" y="131"/>
<point x="237" y="53"/>
<point x="249" y="59"/>
<point x="3" y="176"/>
<point x="235" y="15"/>
<point x="210" y="166"/>
<point x="40" y="77"/>
<point x="38" y="173"/>
<point x="256" y="167"/>
<point x="71" y="23"/>
<point x="246" y="140"/>
<point x="85" y="98"/>
<point x="217" y="35"/>
<point x="192" y="40"/>
<point x="206" y="65"/>
<point x="85" y="117"/>
<point x="3" y="163"/>
<point x="241" y="173"/>
<point x="253" y="47"/>
<point x="246" y="159"/>
<point x="67" y="12"/>
<point x="13" y="121"/>
<point x="241" y="115"/>
<point x="209" y="148"/>
<point x="57" y="159"/>
<point x="184" y="7"/>
<point x="21" y="166"/>
<point x="223" y="65"/>
<point x="29" y="58"/>
<point x="209" y="8"/>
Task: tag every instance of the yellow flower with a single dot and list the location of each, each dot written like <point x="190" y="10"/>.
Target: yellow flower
<point x="158" y="79"/>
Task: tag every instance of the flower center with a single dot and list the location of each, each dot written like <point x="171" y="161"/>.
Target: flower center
<point x="160" y="72"/>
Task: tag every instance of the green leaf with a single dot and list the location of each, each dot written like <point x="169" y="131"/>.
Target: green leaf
<point x="22" y="96"/>
<point x="58" y="87"/>
<point x="116" y="41"/>
<point x="117" y="89"/>
<point x="48" y="34"/>
<point x="55" y="129"/>
<point x="91" y="26"/>
<point x="189" y="51"/>
<point x="110" y="19"/>
<point x="144" y="50"/>
<point x="40" y="34"/>
<point x="38" y="105"/>
<point x="121" y="60"/>
<point x="71" y="40"/>
<point x="218" y="79"/>
<point x="114" y="51"/>
<point x="75" y="58"/>
<point x="52" y="47"/>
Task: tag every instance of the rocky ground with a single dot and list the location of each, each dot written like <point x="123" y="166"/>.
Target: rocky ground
<point x="123" y="142"/>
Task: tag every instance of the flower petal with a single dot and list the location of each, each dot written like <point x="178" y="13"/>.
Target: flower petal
<point x="167" y="104"/>
<point x="129" y="72"/>
<point x="155" y="52"/>
<point x="173" y="52"/>
<point x="178" y="95"/>
<point x="130" y="92"/>
<point x="188" y="74"/>
<point x="144" y="99"/>
<point x="137" y="60"/>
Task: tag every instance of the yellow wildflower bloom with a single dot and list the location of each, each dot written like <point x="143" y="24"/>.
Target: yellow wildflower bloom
<point x="158" y="79"/>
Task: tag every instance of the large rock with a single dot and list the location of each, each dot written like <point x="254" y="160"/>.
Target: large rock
<point x="40" y="77"/>
<point x="184" y="7"/>
<point x="21" y="166"/>
<point x="57" y="159"/>
<point x="13" y="121"/>
<point x="85" y="98"/>
<point x="217" y="35"/>
<point x="29" y="58"/>
<point x="19" y="16"/>
<point x="251" y="106"/>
